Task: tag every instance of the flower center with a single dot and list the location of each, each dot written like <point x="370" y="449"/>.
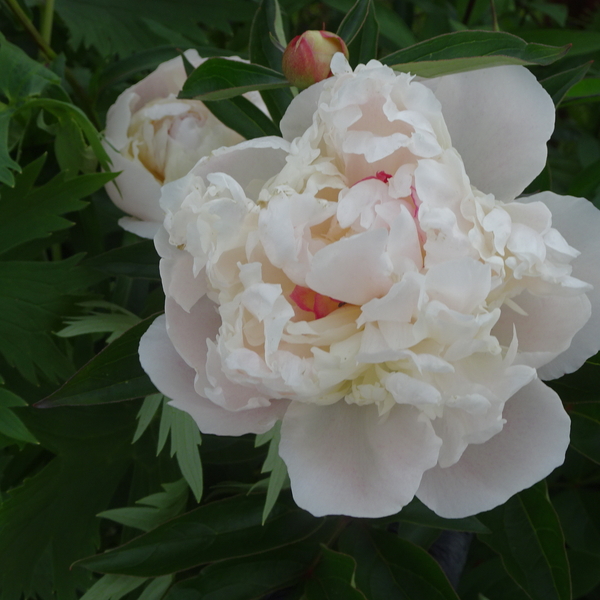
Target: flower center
<point x="311" y="301"/>
<point x="381" y="175"/>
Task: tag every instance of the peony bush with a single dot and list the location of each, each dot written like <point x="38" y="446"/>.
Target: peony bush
<point x="373" y="280"/>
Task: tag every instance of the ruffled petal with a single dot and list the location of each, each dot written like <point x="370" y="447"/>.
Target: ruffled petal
<point x="172" y="377"/>
<point x="578" y="220"/>
<point x="499" y="120"/>
<point x="531" y="445"/>
<point x="345" y="459"/>
<point x="354" y="269"/>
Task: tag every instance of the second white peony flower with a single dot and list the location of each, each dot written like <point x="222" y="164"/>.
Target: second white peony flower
<point x="371" y="281"/>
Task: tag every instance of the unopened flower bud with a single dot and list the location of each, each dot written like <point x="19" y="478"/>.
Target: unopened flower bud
<point x="306" y="58"/>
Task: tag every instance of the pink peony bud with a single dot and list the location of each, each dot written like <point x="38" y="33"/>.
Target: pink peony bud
<point x="306" y="58"/>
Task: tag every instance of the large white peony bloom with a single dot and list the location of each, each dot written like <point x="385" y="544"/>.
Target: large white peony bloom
<point x="153" y="138"/>
<point x="372" y="282"/>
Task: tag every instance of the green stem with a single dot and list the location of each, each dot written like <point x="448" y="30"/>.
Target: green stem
<point x="44" y="46"/>
<point x="47" y="20"/>
<point x="31" y="30"/>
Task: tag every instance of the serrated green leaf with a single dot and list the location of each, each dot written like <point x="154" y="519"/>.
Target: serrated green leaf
<point x="146" y="414"/>
<point x="332" y="578"/>
<point x="33" y="297"/>
<point x="50" y="520"/>
<point x="468" y="50"/>
<point x="127" y="26"/>
<point x="21" y="75"/>
<point x="215" y="531"/>
<point x="390" y="568"/>
<point x="526" y="533"/>
<point x="220" y="79"/>
<point x="11" y="426"/>
<point x="185" y="439"/>
<point x="113" y="375"/>
<point x="580" y="518"/>
<point x="28" y="213"/>
<point x="273" y="464"/>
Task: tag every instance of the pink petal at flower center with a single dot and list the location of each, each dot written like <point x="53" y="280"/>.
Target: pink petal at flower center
<point x="311" y="301"/>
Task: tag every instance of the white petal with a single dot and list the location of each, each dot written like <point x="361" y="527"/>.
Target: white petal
<point x="345" y="459"/>
<point x="135" y="191"/>
<point x="531" y="445"/>
<point x="547" y="329"/>
<point x="299" y="114"/>
<point x="499" y="120"/>
<point x="189" y="331"/>
<point x="579" y="223"/>
<point x="143" y="229"/>
<point x="170" y="374"/>
<point x="354" y="269"/>
<point x="461" y="284"/>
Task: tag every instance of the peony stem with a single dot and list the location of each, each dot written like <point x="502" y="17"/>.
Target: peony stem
<point x="47" y="21"/>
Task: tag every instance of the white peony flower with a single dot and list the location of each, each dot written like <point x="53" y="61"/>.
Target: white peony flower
<point x="372" y="282"/>
<point x="153" y="138"/>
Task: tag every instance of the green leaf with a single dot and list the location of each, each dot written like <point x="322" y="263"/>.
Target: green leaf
<point x="155" y="509"/>
<point x="6" y="162"/>
<point x="157" y="588"/>
<point x="559" y="85"/>
<point x="113" y="375"/>
<point x="332" y="578"/>
<point x="66" y="112"/>
<point x="392" y="26"/>
<point x="526" y="534"/>
<point x="585" y="571"/>
<point x="489" y="579"/>
<point x="252" y="577"/>
<point x="12" y="427"/>
<point x="468" y="50"/>
<point x="128" y="26"/>
<point x="355" y="20"/>
<point x="273" y="464"/>
<point x="49" y="521"/>
<point x="147" y="411"/>
<point x="580" y="386"/>
<point x="213" y="532"/>
<point x="267" y="27"/>
<point x="134" y="260"/>
<point x="185" y="439"/>
<point x="22" y="76"/>
<point x="390" y="568"/>
<point x="33" y="297"/>
<point x="112" y="587"/>
<point x="418" y="514"/>
<point x="363" y="46"/>
<point x="581" y="41"/>
<point x="586" y="90"/>
<point x="580" y="518"/>
<point x="244" y="117"/>
<point x="585" y="429"/>
<point x="219" y="79"/>
<point x="28" y="213"/>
